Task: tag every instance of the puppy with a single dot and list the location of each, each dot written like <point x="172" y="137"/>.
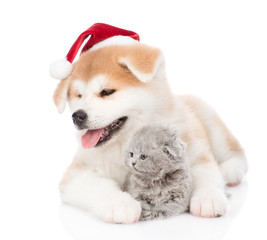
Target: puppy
<point x="113" y="90"/>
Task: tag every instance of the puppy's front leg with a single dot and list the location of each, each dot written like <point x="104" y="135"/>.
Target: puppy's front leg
<point x="102" y="196"/>
<point x="208" y="198"/>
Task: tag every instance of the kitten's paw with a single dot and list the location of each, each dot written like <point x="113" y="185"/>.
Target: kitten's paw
<point x="233" y="170"/>
<point x="152" y="215"/>
<point x="209" y="203"/>
<point x="121" y="208"/>
<point x="146" y="215"/>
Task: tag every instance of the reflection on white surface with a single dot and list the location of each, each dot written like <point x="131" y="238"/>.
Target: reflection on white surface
<point x="81" y="225"/>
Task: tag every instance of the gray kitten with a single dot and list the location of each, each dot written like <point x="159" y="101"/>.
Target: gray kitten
<point x="159" y="175"/>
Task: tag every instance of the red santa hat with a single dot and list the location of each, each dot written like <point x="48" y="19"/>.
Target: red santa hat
<point x="101" y="35"/>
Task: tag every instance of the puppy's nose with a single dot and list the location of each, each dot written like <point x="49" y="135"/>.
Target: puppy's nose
<point x="79" y="117"/>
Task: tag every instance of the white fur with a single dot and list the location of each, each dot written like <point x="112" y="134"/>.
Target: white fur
<point x="234" y="169"/>
<point x="79" y="86"/>
<point x="60" y="69"/>
<point x="208" y="198"/>
<point x="108" y="201"/>
<point x="97" y="83"/>
<point x="61" y="107"/>
<point x="98" y="189"/>
<point x="103" y="112"/>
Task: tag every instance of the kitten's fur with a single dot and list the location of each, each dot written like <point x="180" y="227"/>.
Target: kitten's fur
<point x="160" y="178"/>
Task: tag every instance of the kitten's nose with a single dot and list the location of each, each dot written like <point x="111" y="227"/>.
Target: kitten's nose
<point x="133" y="163"/>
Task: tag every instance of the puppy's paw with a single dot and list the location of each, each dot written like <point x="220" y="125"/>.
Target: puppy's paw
<point x="233" y="170"/>
<point x="209" y="203"/>
<point x="121" y="208"/>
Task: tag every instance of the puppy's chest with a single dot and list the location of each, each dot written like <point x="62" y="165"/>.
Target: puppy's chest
<point x="109" y="164"/>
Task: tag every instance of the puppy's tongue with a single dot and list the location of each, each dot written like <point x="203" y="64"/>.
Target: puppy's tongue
<point x="91" y="138"/>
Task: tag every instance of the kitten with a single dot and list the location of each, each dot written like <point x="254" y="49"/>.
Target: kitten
<point x="159" y="175"/>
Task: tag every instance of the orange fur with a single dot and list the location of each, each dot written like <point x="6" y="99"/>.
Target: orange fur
<point x="61" y="91"/>
<point x="231" y="140"/>
<point x="200" y="131"/>
<point x="197" y="129"/>
<point x="205" y="157"/>
<point x="106" y="61"/>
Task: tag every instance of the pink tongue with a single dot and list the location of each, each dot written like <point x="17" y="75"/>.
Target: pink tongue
<point x="91" y="137"/>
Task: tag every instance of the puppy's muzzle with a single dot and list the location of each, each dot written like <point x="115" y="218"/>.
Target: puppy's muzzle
<point x="79" y="118"/>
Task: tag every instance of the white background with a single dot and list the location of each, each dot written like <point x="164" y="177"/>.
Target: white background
<point x="215" y="49"/>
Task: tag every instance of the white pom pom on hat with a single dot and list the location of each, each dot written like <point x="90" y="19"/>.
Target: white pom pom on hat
<point x="60" y="69"/>
<point x="98" y="32"/>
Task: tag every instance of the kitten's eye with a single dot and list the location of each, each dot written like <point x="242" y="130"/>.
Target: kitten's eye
<point x="143" y="157"/>
<point x="131" y="154"/>
<point x="106" y="92"/>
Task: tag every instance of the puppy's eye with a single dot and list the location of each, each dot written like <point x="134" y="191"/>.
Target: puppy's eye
<point x="106" y="92"/>
<point x="143" y="157"/>
<point x="79" y="95"/>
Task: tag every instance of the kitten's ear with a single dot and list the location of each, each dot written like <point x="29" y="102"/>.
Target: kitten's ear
<point x="180" y="145"/>
<point x="176" y="151"/>
<point x="169" y="152"/>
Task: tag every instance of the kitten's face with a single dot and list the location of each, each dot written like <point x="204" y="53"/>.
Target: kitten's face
<point x="153" y="152"/>
<point x="150" y="163"/>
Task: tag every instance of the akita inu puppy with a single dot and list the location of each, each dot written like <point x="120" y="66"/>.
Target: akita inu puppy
<point x="114" y="89"/>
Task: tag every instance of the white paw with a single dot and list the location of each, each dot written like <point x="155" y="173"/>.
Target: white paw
<point x="209" y="203"/>
<point x="121" y="208"/>
<point x="233" y="170"/>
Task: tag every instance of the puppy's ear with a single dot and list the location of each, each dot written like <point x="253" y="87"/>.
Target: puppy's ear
<point x="61" y="94"/>
<point x="143" y="61"/>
